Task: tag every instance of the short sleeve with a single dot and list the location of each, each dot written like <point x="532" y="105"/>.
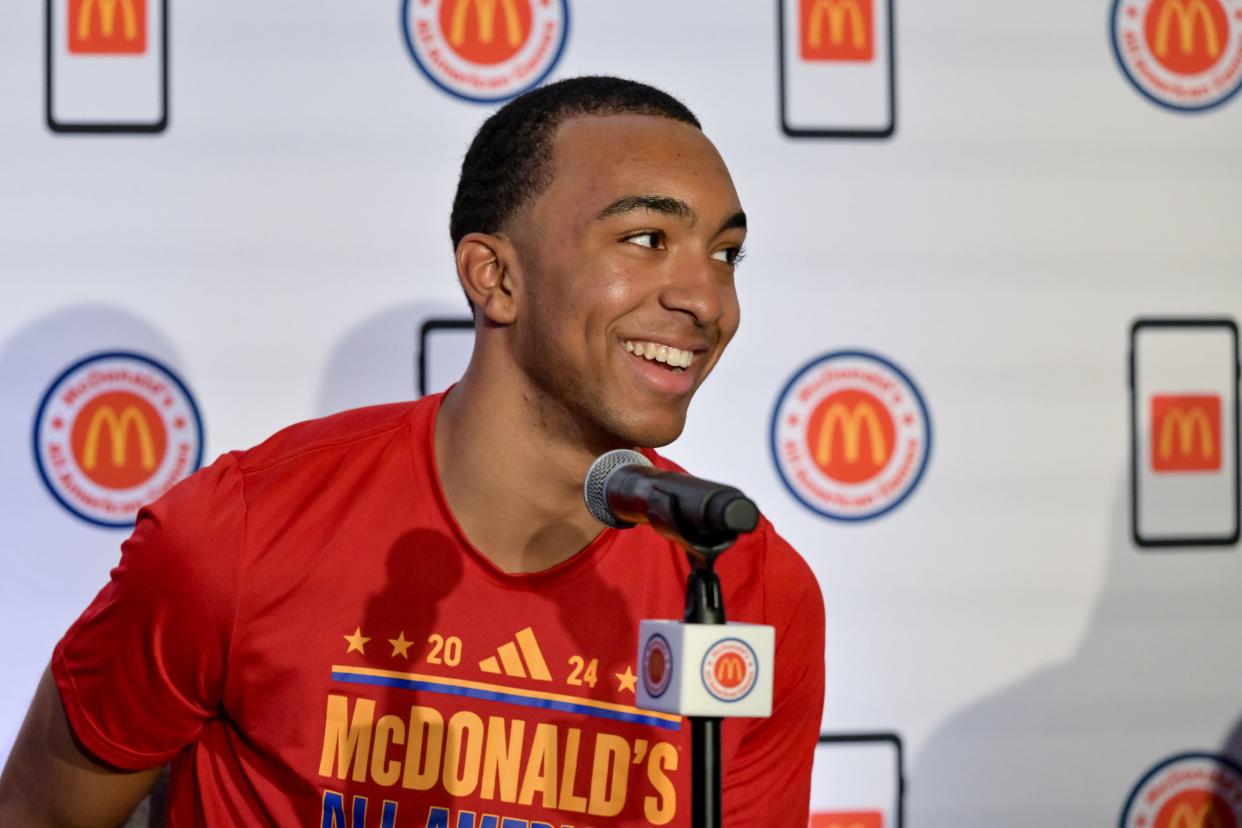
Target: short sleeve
<point x="142" y="670"/>
<point x="768" y="783"/>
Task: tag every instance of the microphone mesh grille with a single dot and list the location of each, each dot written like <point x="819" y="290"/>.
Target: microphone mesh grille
<point x="597" y="475"/>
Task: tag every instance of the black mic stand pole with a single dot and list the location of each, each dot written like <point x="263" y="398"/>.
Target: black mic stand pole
<point x="704" y="605"/>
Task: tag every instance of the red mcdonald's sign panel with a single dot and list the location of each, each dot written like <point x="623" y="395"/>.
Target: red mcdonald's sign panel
<point x="107" y="26"/>
<point x="837" y="30"/>
<point x="847" y="819"/>
<point x="1185" y="433"/>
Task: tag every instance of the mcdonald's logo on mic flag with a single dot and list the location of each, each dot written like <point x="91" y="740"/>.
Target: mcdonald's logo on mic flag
<point x="485" y="50"/>
<point x="851" y="435"/>
<point x="1186" y="433"/>
<point x="113" y="433"/>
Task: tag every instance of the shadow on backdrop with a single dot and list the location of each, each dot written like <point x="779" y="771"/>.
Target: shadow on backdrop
<point x="376" y="361"/>
<point x="1155" y="674"/>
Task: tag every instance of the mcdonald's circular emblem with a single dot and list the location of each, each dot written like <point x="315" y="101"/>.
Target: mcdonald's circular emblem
<point x="485" y="50"/>
<point x="1182" y="54"/>
<point x="851" y="435"/>
<point x="657" y="666"/>
<point x="730" y="669"/>
<point x="1189" y="790"/>
<point x="114" y="432"/>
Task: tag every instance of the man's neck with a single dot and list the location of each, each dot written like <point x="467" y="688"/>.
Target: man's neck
<point x="514" y="483"/>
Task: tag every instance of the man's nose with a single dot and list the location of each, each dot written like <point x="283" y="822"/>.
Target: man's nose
<point x="696" y="286"/>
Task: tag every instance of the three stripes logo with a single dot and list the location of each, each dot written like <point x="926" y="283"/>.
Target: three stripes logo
<point x="519" y="658"/>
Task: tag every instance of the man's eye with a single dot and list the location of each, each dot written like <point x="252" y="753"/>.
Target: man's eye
<point x="651" y="239"/>
<point x="729" y="255"/>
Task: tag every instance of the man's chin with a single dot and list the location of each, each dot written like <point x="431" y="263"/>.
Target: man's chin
<point x="652" y="432"/>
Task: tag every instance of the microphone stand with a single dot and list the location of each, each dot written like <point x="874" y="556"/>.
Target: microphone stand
<point x="705" y="605"/>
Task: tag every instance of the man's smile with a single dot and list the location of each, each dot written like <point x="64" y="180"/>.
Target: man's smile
<point x="674" y="358"/>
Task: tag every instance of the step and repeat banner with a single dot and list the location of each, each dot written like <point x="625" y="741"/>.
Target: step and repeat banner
<point x="986" y="380"/>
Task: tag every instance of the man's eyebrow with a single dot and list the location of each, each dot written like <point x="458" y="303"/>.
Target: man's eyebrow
<point x="657" y="204"/>
<point x="738" y="219"/>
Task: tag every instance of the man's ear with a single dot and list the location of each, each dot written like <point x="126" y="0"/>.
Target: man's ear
<point x="487" y="269"/>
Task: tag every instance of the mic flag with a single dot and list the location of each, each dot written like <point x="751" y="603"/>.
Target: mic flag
<point x="711" y="670"/>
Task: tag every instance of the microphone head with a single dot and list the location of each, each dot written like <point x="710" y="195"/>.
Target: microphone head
<point x="597" y="476"/>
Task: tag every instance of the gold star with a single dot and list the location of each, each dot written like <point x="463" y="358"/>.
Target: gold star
<point x="627" y="679"/>
<point x="356" y="641"/>
<point x="400" y="645"/>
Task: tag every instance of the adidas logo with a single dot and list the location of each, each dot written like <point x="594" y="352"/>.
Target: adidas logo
<point x="511" y="655"/>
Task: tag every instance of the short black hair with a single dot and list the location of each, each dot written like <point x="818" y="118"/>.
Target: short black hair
<point x="509" y="160"/>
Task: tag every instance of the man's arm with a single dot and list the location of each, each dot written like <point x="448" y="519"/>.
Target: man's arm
<point x="768" y="782"/>
<point x="49" y="782"/>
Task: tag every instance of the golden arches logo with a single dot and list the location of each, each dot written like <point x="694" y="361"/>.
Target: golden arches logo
<point x="485" y="13"/>
<point x="1186" y="433"/>
<point x="1205" y="816"/>
<point x="107" y="14"/>
<point x="838" y="14"/>
<point x="118" y="437"/>
<point x="1186" y="13"/>
<point x="1185" y="424"/>
<point x="730" y="670"/>
<point x="851" y="421"/>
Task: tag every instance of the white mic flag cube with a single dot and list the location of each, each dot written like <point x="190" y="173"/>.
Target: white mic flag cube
<point x="713" y="670"/>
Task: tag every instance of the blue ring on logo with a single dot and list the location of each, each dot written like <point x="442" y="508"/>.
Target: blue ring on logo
<point x="1112" y="28"/>
<point x="1164" y="763"/>
<point x="668" y="653"/>
<point x="703" y="668"/>
<point x="556" y="58"/>
<point x="47" y="396"/>
<point x="918" y="398"/>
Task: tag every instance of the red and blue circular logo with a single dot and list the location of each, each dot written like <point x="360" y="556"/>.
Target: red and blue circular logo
<point x="1182" y="54"/>
<point x="114" y="432"/>
<point x="657" y="666"/>
<point x="1189" y="790"/>
<point x="730" y="669"/>
<point x="485" y="50"/>
<point x="851" y="436"/>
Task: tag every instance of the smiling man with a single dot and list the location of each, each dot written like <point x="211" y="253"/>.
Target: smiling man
<point x="405" y="615"/>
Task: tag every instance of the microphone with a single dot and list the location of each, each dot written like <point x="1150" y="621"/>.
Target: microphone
<point x="622" y="489"/>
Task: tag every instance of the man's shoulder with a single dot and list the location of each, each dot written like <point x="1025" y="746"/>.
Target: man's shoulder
<point x="321" y="437"/>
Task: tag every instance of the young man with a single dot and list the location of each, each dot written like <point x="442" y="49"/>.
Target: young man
<point x="405" y="615"/>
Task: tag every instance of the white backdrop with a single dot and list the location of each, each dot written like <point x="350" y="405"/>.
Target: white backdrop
<point x="279" y="244"/>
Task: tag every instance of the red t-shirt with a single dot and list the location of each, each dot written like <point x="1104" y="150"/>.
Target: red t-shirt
<point x="303" y="629"/>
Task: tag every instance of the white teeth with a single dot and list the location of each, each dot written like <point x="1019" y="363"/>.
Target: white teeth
<point x="655" y="352"/>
